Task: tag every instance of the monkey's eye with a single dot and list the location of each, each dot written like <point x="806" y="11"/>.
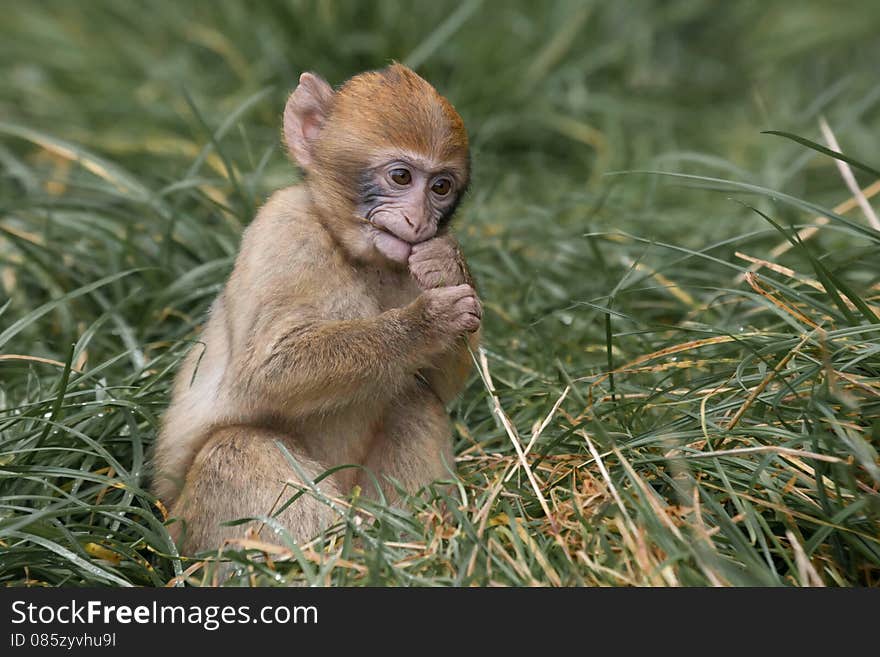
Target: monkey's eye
<point x="401" y="176"/>
<point x="441" y="187"/>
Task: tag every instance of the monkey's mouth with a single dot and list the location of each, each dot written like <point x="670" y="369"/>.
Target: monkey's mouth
<point x="388" y="244"/>
<point x="382" y="229"/>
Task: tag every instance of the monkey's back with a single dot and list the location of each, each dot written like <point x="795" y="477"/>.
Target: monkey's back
<point x="196" y="403"/>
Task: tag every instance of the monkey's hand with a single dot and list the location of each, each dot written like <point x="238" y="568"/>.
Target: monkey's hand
<point x="451" y="318"/>
<point x="449" y="312"/>
<point x="437" y="262"/>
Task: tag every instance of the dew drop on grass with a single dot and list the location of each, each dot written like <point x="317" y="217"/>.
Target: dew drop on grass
<point x="100" y="390"/>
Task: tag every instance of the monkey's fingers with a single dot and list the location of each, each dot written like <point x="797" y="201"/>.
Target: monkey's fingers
<point x="436" y="247"/>
<point x="468" y="314"/>
<point x="470" y="305"/>
<point x="456" y="292"/>
<point x="430" y="278"/>
<point x="470" y="323"/>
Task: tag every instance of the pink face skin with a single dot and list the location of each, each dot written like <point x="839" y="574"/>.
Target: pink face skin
<point x="405" y="202"/>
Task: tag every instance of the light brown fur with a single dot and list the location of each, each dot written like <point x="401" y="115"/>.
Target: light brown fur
<point x="319" y="343"/>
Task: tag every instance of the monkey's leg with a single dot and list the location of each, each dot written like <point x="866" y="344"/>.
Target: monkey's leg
<point x="413" y="446"/>
<point x="242" y="473"/>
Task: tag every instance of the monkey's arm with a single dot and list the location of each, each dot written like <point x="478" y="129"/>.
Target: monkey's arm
<point x="326" y="363"/>
<point x="434" y="264"/>
<point x="322" y="364"/>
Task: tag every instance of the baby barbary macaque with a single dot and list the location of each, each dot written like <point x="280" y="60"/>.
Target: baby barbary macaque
<point x="343" y="330"/>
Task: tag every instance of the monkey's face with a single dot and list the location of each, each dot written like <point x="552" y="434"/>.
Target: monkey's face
<point x="406" y="200"/>
<point x="386" y="158"/>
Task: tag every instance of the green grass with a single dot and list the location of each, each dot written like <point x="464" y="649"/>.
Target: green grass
<point x="681" y="423"/>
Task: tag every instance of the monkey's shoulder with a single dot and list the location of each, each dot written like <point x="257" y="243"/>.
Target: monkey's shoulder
<point x="288" y="211"/>
<point x="287" y="259"/>
<point x="287" y="232"/>
<point x="286" y="202"/>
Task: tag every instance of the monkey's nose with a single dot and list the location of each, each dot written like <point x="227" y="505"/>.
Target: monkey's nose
<point x="408" y="221"/>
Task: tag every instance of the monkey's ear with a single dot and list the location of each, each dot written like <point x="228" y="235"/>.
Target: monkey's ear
<point x="304" y="114"/>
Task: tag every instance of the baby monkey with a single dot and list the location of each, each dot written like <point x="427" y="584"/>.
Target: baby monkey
<point x="343" y="330"/>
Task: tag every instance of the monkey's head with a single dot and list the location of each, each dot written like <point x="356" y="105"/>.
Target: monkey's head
<point x="386" y="158"/>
